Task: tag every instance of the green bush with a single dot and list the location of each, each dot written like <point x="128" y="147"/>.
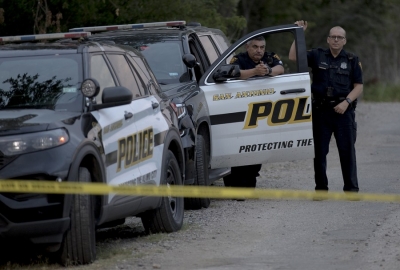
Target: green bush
<point x="381" y="92"/>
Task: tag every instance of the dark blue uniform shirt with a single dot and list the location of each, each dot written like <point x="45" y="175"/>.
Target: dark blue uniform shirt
<point x="339" y="74"/>
<point x="245" y="62"/>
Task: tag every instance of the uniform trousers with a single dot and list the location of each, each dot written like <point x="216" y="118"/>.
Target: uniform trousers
<point x="344" y="127"/>
<point x="243" y="176"/>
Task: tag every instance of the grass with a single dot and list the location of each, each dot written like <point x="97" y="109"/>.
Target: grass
<point x="381" y="92"/>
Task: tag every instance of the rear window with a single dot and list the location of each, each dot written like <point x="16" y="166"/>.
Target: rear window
<point x="48" y="82"/>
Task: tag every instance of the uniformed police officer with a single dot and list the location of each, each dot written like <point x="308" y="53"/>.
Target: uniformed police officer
<point x="337" y="83"/>
<point x="255" y="62"/>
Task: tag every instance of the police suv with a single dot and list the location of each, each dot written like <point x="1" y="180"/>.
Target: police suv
<point x="83" y="111"/>
<point x="254" y="121"/>
<point x="178" y="53"/>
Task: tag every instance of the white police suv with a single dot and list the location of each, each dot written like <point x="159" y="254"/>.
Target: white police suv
<point x="83" y="111"/>
<point x="253" y="121"/>
<point x="237" y="122"/>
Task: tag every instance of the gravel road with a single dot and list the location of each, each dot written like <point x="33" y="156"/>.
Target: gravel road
<point x="276" y="234"/>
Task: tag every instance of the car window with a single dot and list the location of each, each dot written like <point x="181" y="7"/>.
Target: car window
<point x="141" y="76"/>
<point x="124" y="73"/>
<point x="222" y="41"/>
<point x="165" y="60"/>
<point x="50" y="82"/>
<point x="210" y="48"/>
<point x="276" y="43"/>
<point x="99" y="70"/>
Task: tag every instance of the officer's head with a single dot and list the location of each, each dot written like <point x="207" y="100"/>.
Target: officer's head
<point x="256" y="48"/>
<point x="336" y="38"/>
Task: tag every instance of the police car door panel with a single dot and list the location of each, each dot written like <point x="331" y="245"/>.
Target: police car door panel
<point x="151" y="132"/>
<point x="259" y="120"/>
<point x="118" y="126"/>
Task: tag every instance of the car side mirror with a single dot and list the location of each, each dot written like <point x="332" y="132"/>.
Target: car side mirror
<point x="226" y="72"/>
<point x="113" y="96"/>
<point x="189" y="60"/>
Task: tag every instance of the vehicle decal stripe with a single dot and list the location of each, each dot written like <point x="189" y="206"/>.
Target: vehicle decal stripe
<point x="159" y="138"/>
<point x="112" y="157"/>
<point x="227" y="118"/>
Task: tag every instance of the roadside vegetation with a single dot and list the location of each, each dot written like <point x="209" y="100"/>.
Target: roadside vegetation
<point x="381" y="93"/>
<point x="371" y="25"/>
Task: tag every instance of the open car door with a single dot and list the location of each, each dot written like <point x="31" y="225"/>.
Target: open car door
<point x="262" y="119"/>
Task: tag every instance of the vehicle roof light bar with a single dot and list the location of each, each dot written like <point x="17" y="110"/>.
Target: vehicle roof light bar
<point x="128" y="26"/>
<point x="44" y="37"/>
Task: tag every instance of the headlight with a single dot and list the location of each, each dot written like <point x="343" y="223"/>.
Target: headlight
<point x="31" y="142"/>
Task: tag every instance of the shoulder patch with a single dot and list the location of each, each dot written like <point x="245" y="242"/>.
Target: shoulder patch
<point x="233" y="60"/>
<point x="276" y="56"/>
<point x="359" y="63"/>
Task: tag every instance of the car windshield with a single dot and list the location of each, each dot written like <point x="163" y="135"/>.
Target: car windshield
<point x="165" y="60"/>
<point x="43" y="82"/>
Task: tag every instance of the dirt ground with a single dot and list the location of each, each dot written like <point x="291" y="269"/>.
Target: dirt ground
<point x="276" y="234"/>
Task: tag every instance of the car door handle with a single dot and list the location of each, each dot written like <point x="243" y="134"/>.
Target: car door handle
<point x="155" y="105"/>
<point x="292" y="91"/>
<point x="128" y="115"/>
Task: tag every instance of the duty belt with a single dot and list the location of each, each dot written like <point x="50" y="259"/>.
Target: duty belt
<point x="329" y="102"/>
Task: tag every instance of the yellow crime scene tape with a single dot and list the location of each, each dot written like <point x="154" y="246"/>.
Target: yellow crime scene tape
<point x="217" y="192"/>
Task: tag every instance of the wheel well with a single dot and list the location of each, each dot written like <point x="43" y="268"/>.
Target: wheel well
<point x="204" y="130"/>
<point x="174" y="146"/>
<point x="92" y="164"/>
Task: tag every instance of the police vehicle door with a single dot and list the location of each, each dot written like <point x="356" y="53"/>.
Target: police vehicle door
<point x="264" y="119"/>
<point x="119" y="137"/>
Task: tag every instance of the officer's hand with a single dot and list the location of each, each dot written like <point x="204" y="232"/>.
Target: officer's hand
<point x="302" y="24"/>
<point x="261" y="69"/>
<point x="341" y="107"/>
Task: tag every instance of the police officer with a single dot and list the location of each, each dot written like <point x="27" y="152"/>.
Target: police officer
<point x="255" y="62"/>
<point x="337" y="83"/>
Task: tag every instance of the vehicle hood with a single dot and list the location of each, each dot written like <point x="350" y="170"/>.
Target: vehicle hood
<point x="33" y="120"/>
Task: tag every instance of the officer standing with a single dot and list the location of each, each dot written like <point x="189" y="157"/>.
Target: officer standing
<point x="255" y="62"/>
<point x="336" y="85"/>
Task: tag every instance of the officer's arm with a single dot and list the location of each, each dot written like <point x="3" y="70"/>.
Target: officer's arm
<point x="277" y="70"/>
<point x="247" y="73"/>
<point x="353" y="95"/>
<point x="292" y="52"/>
<point x="356" y="92"/>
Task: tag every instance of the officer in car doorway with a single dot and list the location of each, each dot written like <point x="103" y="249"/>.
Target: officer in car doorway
<point x="337" y="83"/>
<point x="255" y="62"/>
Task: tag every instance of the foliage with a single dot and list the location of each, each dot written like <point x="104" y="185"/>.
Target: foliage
<point x="381" y="92"/>
<point x="371" y="25"/>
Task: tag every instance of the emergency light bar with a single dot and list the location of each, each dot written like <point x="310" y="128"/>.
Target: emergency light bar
<point x="44" y="37"/>
<point x="128" y="26"/>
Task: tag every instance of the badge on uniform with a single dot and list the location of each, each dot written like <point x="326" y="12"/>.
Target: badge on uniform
<point x="233" y="60"/>
<point x="343" y="65"/>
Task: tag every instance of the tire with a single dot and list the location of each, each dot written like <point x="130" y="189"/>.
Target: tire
<point x="79" y="244"/>
<point x="169" y="216"/>
<point x="201" y="178"/>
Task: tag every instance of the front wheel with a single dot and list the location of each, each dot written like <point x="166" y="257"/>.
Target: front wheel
<point x="79" y="244"/>
<point x="201" y="178"/>
<point x="169" y="216"/>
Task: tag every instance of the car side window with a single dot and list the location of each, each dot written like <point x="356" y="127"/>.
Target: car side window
<point x="124" y="73"/>
<point x="144" y="70"/>
<point x="200" y="68"/>
<point x="210" y="47"/>
<point x="140" y="75"/>
<point x="100" y="71"/>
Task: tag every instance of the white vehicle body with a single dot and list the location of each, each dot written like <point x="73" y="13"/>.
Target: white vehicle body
<point x="260" y="120"/>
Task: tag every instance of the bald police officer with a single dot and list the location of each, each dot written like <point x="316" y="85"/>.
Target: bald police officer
<point x="255" y="62"/>
<point x="337" y="83"/>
